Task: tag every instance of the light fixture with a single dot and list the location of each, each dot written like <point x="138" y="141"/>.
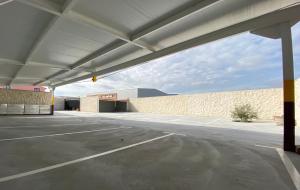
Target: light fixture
<point x="94" y="78"/>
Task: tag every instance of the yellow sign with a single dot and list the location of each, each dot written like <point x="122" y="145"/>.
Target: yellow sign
<point x="94" y="78"/>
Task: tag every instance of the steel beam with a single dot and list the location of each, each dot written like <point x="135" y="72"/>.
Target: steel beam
<point x="85" y="20"/>
<point x="47" y="6"/>
<point x="284" y="15"/>
<point x="88" y="58"/>
<point x="49" y="65"/>
<point x="21" y="78"/>
<point x="100" y="52"/>
<point x="44" y="5"/>
<point x="52" y="101"/>
<point x="159" y="24"/>
<point x="43" y="36"/>
<point x="4" y="61"/>
<point x="175" y="16"/>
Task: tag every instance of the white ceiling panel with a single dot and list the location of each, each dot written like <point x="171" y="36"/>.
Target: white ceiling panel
<point x="34" y="71"/>
<point x="69" y="74"/>
<point x="26" y="81"/>
<point x="127" y="15"/>
<point x="20" y="26"/>
<point x="8" y="70"/>
<point x="125" y="50"/>
<point x="125" y="53"/>
<point x="69" y="41"/>
<point x="203" y="22"/>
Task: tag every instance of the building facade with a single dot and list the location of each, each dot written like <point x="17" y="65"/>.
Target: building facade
<point x="115" y="101"/>
<point x="27" y="88"/>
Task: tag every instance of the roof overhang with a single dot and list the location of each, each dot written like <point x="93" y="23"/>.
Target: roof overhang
<point x="58" y="42"/>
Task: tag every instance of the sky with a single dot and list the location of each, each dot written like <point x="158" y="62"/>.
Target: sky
<point x="240" y="62"/>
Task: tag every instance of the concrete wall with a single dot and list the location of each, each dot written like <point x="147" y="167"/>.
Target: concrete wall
<point x="267" y="102"/>
<point x="89" y="104"/>
<point x="59" y="103"/>
<point x="106" y="106"/>
<point x="24" y="102"/>
<point x="24" y="97"/>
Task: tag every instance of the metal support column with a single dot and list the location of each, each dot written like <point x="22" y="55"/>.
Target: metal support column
<point x="288" y="88"/>
<point x="52" y="101"/>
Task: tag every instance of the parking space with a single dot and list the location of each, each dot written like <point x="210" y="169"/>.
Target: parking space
<point x="77" y="152"/>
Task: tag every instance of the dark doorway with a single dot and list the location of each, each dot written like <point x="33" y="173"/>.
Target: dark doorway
<point x="121" y="106"/>
<point x="72" y="104"/>
<point x="112" y="106"/>
<point x="106" y="106"/>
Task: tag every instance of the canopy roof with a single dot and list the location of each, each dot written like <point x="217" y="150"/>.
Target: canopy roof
<point x="56" y="42"/>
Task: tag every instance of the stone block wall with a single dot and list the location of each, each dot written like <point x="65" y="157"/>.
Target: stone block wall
<point x="24" y="97"/>
<point x="267" y="103"/>
<point x="89" y="104"/>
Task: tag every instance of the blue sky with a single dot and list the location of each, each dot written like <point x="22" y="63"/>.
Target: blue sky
<point x="244" y="61"/>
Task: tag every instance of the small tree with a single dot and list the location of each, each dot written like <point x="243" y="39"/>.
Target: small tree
<point x="244" y="113"/>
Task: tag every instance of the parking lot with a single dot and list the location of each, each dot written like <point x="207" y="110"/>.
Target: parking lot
<point x="69" y="151"/>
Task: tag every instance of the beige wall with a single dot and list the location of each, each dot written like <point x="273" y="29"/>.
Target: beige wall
<point x="24" y="97"/>
<point x="267" y="102"/>
<point x="89" y="104"/>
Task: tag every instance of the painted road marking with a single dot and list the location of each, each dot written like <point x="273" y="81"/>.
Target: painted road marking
<point x="294" y="174"/>
<point x="263" y="146"/>
<point x="61" y="134"/>
<point x="178" y="134"/>
<point x="181" y="134"/>
<point x="57" y="125"/>
<point x="210" y="122"/>
<point x="8" y="178"/>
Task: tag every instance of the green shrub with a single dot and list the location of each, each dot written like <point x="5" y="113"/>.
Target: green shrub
<point x="244" y="113"/>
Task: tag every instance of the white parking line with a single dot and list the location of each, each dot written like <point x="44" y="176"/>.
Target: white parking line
<point x="60" y="134"/>
<point x="294" y="174"/>
<point x="213" y="121"/>
<point x="263" y="146"/>
<point x="179" y="134"/>
<point x="56" y="125"/>
<point x="8" y="178"/>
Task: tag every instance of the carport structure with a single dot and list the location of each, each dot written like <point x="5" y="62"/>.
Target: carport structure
<point x="57" y="42"/>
